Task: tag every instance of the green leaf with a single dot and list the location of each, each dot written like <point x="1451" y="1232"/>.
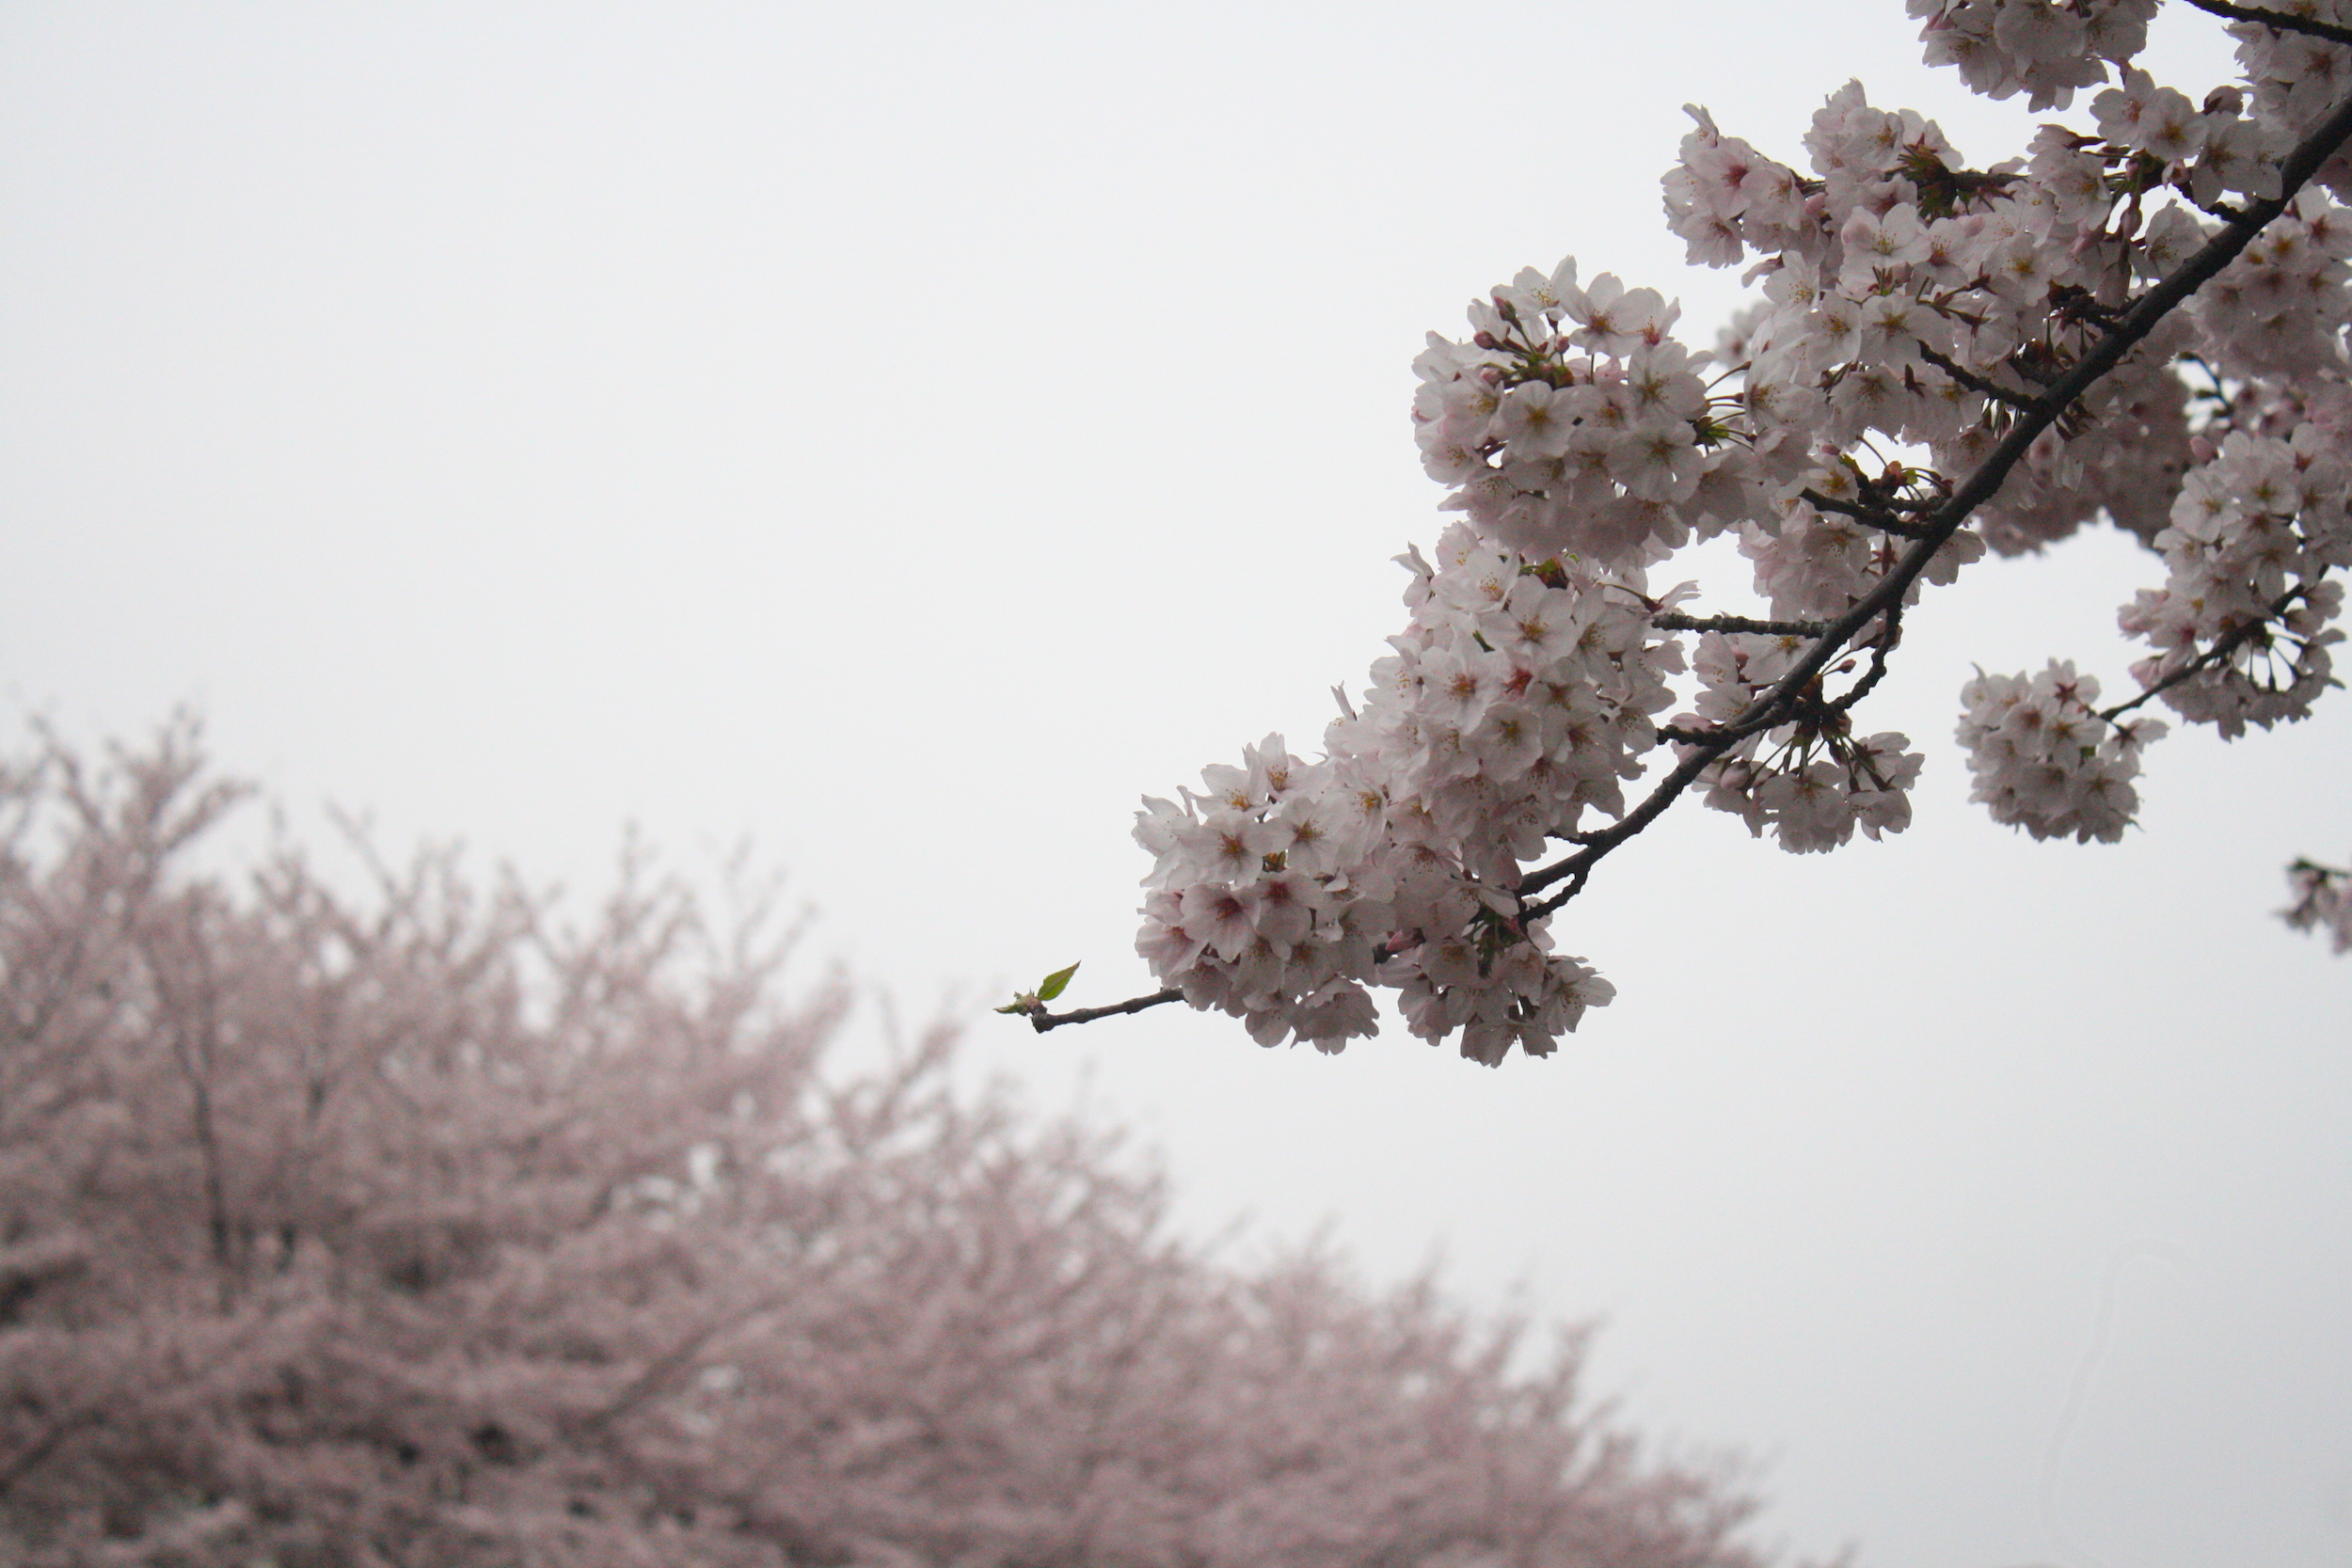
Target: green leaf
<point x="1055" y="982"/>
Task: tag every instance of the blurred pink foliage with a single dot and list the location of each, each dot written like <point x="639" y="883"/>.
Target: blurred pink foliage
<point x="416" y="1230"/>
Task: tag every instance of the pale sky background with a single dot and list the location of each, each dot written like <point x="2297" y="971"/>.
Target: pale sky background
<point x="904" y="435"/>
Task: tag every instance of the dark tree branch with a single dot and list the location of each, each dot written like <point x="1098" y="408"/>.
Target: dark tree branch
<point x="2278" y="21"/>
<point x="1670" y="620"/>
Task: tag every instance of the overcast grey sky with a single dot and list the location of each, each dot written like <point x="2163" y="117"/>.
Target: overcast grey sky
<point x="905" y="434"/>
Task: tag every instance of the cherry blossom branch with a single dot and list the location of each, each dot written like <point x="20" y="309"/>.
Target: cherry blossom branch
<point x="661" y="1372"/>
<point x="2237" y="637"/>
<point x="2128" y="330"/>
<point x="1579" y="866"/>
<point x="1917" y="529"/>
<point x="141" y="1371"/>
<point x="2278" y="21"/>
<point x="1041" y="1021"/>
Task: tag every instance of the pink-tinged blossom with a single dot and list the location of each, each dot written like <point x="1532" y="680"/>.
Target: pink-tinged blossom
<point x="2044" y="49"/>
<point x="2245" y="623"/>
<point x="2043" y="758"/>
<point x="1512" y="706"/>
<point x="1810" y="782"/>
<point x="1538" y="419"/>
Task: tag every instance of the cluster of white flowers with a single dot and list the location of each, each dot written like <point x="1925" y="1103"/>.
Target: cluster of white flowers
<point x="1519" y="695"/>
<point x="1925" y="300"/>
<point x="2125" y="464"/>
<point x="1268" y="899"/>
<point x="2045" y="760"/>
<point x="1809" y="780"/>
<point x="1572" y="420"/>
<point x="2002" y="47"/>
<point x="1914" y="313"/>
<point x="2277" y="311"/>
<point x="2242" y="624"/>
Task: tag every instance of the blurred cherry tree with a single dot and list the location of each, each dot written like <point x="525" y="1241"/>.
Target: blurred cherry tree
<point x="417" y="1228"/>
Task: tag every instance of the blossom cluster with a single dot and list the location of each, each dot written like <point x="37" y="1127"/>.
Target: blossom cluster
<point x="1809" y="780"/>
<point x="2277" y="311"/>
<point x="2297" y="78"/>
<point x="1911" y="300"/>
<point x="1573" y="420"/>
<point x="2241" y="625"/>
<point x="2047" y="761"/>
<point x="1941" y="360"/>
<point x="2045" y="51"/>
<point x="1519" y="697"/>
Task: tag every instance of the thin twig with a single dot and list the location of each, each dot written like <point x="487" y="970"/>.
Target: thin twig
<point x="1885" y="644"/>
<point x="1040" y="1021"/>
